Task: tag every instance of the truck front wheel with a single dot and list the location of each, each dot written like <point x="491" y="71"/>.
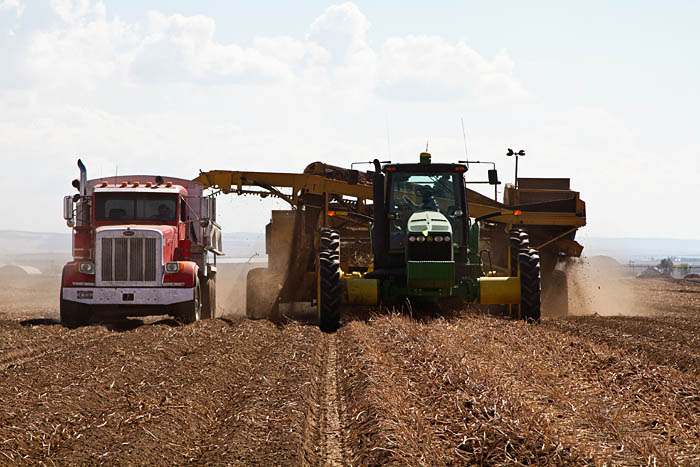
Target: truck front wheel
<point x="191" y="311"/>
<point x="73" y="314"/>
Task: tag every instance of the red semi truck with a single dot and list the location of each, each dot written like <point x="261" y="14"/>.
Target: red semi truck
<point x="142" y="245"/>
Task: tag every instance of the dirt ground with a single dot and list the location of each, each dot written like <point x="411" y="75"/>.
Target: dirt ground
<point x="599" y="389"/>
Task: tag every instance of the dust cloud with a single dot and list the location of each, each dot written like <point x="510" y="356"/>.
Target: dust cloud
<point x="230" y="284"/>
<point x="597" y="285"/>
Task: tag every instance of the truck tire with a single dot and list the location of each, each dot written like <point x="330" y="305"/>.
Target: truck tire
<point x="73" y="314"/>
<point x="191" y="311"/>
<point x="261" y="292"/>
<point x="329" y="281"/>
<point x="209" y="296"/>
<point x="530" y="285"/>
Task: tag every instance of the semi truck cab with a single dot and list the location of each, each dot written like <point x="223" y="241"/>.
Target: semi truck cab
<point x="142" y="245"/>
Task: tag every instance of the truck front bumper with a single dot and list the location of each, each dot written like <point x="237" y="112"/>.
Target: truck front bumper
<point x="128" y="295"/>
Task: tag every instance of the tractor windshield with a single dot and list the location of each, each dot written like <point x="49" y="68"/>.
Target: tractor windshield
<point x="135" y="206"/>
<point x="415" y="192"/>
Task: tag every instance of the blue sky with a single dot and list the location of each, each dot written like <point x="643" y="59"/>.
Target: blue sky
<point x="605" y="93"/>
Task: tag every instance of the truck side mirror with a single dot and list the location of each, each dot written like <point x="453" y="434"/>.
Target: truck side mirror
<point x="208" y="208"/>
<point x="353" y="176"/>
<point x="493" y="177"/>
<point x="68" y="209"/>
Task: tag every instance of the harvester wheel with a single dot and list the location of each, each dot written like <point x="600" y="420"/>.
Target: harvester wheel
<point x="261" y="291"/>
<point x="73" y="314"/>
<point x="191" y="311"/>
<point x="530" y="285"/>
<point x="329" y="281"/>
<point x="209" y="296"/>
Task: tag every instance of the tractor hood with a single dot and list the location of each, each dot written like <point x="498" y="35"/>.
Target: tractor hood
<point x="425" y="222"/>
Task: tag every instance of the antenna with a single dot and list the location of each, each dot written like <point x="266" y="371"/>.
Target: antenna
<point x="464" y="136"/>
<point x="116" y="172"/>
<point x="388" y="141"/>
<point x="426" y="146"/>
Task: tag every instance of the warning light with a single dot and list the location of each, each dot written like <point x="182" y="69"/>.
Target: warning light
<point x="460" y="168"/>
<point x="104" y="184"/>
<point x="137" y="183"/>
<point x="169" y="184"/>
<point x="517" y="212"/>
<point x="390" y="169"/>
<point x="124" y="184"/>
<point x="331" y="213"/>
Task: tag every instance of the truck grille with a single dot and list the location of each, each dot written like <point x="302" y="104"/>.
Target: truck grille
<point x="129" y="259"/>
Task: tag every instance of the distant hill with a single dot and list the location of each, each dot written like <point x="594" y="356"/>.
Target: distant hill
<point x="640" y="249"/>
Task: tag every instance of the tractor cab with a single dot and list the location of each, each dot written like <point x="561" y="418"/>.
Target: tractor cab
<point x="423" y="216"/>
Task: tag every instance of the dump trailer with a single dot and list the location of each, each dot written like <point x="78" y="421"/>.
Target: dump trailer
<point x="551" y="213"/>
<point x="142" y="245"/>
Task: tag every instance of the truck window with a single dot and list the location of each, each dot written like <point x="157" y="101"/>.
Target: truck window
<point x="135" y="206"/>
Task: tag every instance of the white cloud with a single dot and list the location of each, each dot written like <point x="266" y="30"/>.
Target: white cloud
<point x="430" y="68"/>
<point x="16" y="5"/>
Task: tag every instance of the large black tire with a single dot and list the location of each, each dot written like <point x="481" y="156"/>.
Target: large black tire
<point x="329" y="281"/>
<point x="530" y="285"/>
<point x="73" y="314"/>
<point x="209" y="296"/>
<point x="261" y="293"/>
<point x="519" y="242"/>
<point x="191" y="311"/>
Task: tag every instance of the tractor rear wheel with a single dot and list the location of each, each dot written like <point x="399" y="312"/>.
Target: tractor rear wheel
<point x="530" y="285"/>
<point x="519" y="242"/>
<point x="329" y="281"/>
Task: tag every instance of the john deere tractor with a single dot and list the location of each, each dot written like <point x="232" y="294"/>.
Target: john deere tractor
<point x="426" y="250"/>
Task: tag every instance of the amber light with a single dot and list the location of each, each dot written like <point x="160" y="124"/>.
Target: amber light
<point x="169" y="184"/>
<point x="460" y="168"/>
<point x="124" y="184"/>
<point x="331" y="213"/>
<point x="517" y="212"/>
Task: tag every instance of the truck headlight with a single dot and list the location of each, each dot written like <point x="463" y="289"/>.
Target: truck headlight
<point x="438" y="238"/>
<point x="412" y="238"/>
<point x="420" y="238"/>
<point x="86" y="268"/>
<point x="446" y="238"/>
<point x="171" y="267"/>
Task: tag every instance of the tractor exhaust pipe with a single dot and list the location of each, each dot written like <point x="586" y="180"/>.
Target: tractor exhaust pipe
<point x="380" y="228"/>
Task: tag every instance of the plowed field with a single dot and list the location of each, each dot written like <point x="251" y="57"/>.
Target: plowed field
<point x="386" y="388"/>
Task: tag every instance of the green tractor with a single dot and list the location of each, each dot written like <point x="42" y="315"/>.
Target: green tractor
<point x="426" y="250"/>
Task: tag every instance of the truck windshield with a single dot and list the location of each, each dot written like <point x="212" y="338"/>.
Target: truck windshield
<point x="135" y="206"/>
<point x="411" y="193"/>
